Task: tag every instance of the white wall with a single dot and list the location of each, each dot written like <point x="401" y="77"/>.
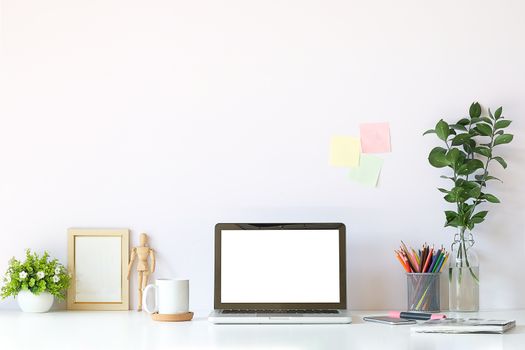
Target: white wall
<point x="171" y="116"/>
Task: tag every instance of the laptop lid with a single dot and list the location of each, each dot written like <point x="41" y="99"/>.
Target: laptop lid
<point x="275" y="266"/>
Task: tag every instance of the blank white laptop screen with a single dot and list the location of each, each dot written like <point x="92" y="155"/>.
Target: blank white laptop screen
<point x="280" y="266"/>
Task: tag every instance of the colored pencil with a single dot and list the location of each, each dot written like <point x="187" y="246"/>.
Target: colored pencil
<point x="429" y="257"/>
<point x="424" y="260"/>
<point x="444" y="262"/>
<point x="434" y="260"/>
<point x="402" y="263"/>
<point x="437" y="265"/>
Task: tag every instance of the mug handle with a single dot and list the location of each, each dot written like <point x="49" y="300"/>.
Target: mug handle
<point x="145" y="296"/>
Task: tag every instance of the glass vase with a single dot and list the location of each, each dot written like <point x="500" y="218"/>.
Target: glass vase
<point x="463" y="274"/>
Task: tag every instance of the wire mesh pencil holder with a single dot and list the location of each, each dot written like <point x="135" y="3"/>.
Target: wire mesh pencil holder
<point x="423" y="292"/>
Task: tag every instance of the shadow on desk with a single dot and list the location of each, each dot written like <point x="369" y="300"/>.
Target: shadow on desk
<point x="517" y="330"/>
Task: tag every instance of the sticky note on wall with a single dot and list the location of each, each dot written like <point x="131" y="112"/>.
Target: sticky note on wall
<point x="367" y="173"/>
<point x="375" y="137"/>
<point x="345" y="151"/>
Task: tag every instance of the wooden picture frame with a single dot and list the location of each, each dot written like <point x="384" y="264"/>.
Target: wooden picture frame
<point x="98" y="261"/>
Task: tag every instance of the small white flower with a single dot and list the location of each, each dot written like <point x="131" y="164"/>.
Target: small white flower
<point x="57" y="270"/>
<point x="56" y="278"/>
<point x="40" y="275"/>
<point x="22" y="275"/>
<point x="8" y="278"/>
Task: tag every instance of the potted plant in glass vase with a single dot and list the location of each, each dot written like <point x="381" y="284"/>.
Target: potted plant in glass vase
<point x="35" y="282"/>
<point x="469" y="149"/>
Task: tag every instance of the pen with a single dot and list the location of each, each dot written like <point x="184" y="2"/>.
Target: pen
<point x="416" y="315"/>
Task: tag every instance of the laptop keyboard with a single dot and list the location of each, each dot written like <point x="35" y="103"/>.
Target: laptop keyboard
<point x="280" y="311"/>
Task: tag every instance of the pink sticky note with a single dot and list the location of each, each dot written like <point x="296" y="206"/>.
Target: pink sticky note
<point x="375" y="137"/>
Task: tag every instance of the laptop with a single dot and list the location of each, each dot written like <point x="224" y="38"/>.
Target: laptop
<point x="280" y="273"/>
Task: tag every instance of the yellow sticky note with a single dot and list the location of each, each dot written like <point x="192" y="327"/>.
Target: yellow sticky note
<point x="345" y="151"/>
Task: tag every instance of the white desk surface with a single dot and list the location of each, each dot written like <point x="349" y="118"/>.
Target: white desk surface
<point x="133" y="330"/>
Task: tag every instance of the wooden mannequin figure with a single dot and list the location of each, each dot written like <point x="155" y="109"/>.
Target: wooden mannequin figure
<point x="143" y="252"/>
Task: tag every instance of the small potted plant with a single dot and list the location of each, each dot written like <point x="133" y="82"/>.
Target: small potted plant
<point x="35" y="282"/>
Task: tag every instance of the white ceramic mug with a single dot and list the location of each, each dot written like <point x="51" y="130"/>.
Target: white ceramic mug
<point x="171" y="296"/>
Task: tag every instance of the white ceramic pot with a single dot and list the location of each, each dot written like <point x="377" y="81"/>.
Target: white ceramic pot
<point x="30" y="302"/>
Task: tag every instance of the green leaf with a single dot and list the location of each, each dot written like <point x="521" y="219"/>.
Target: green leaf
<point x="475" y="120"/>
<point x="447" y="177"/>
<point x="475" y="192"/>
<point x="452" y="219"/>
<point x="483" y="129"/>
<point x="487" y="120"/>
<point x="458" y="127"/>
<point x="469" y="146"/>
<point x="443" y="190"/>
<point x="470" y="166"/>
<point x="459" y="182"/>
<point x="453" y="155"/>
<point x="429" y="131"/>
<point x="442" y="130"/>
<point x="498" y="112"/>
<point x="468" y="185"/>
<point x="490" y="198"/>
<point x="500" y="124"/>
<point x="460" y="139"/>
<point x="451" y="198"/>
<point x="466" y="209"/>
<point x="463" y="121"/>
<point x="502" y="139"/>
<point x="475" y="110"/>
<point x="501" y="161"/>
<point x="480" y="214"/>
<point x="457" y="194"/>
<point x="437" y="157"/>
<point x="490" y="114"/>
<point x="484" y="151"/>
<point x="476" y="221"/>
<point x="450" y="215"/>
<point x="490" y="177"/>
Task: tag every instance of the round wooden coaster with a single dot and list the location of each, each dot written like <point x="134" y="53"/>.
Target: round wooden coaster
<point x="187" y="316"/>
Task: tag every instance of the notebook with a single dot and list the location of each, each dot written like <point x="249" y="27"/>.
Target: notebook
<point x="461" y="325"/>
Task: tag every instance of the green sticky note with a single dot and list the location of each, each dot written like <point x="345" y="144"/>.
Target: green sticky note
<point x="345" y="151"/>
<point x="367" y="173"/>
